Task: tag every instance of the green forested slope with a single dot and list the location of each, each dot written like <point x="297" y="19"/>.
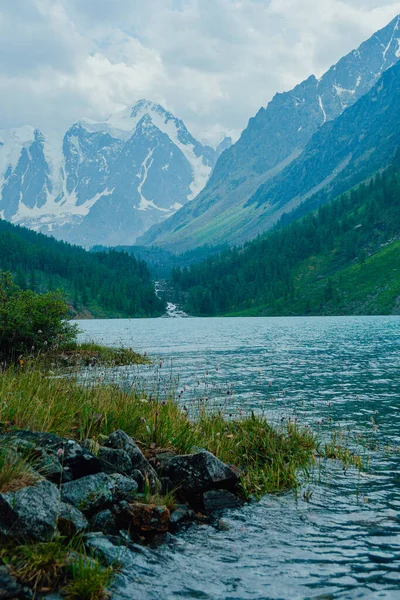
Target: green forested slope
<point x="342" y="259"/>
<point x="108" y="284"/>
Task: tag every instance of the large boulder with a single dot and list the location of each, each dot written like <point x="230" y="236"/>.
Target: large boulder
<point x="119" y="440"/>
<point x="30" y="513"/>
<point x="61" y="459"/>
<point x="89" y="494"/>
<point x="194" y="474"/>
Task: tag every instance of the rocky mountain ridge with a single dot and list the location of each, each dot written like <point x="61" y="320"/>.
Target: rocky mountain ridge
<point x="108" y="181"/>
<point x="274" y="139"/>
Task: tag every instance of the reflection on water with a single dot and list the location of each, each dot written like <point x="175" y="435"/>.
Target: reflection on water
<point x="344" y="542"/>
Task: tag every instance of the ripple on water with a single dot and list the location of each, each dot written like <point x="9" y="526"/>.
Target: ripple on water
<point x="342" y="544"/>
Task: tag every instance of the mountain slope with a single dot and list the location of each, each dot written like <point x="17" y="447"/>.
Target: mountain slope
<point x="274" y="139"/>
<point x="103" y="284"/>
<point x="107" y="182"/>
<point x="342" y="259"/>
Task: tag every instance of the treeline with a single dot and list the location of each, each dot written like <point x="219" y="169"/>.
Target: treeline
<point x="104" y="283"/>
<point x="278" y="271"/>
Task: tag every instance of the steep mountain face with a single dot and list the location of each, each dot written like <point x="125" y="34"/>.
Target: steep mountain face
<point x="273" y="139"/>
<point x="107" y="182"/>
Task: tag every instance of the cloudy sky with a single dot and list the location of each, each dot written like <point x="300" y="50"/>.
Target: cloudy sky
<point x="211" y="62"/>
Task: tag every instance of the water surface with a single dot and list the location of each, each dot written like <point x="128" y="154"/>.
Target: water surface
<point x="342" y="543"/>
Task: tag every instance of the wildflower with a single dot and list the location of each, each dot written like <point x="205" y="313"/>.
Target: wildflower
<point x="143" y="420"/>
<point x="60" y="452"/>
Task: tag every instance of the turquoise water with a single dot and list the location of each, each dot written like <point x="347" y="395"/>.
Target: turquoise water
<point x="342" y="543"/>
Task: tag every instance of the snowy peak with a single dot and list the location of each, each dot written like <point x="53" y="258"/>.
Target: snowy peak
<point x="104" y="182"/>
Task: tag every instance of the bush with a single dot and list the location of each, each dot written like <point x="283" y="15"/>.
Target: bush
<point x="31" y="322"/>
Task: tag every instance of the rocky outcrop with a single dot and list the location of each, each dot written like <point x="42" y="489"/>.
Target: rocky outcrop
<point x="109" y="495"/>
<point x="110" y="488"/>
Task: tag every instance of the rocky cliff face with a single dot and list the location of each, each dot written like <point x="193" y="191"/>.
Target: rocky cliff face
<point x="106" y="182"/>
<point x="275" y="137"/>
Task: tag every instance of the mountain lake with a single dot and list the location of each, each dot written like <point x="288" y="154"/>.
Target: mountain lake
<point x="338" y="535"/>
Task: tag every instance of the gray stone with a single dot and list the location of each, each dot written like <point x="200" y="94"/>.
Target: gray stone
<point x="10" y="589"/>
<point x="30" y="513"/>
<point x="124" y="488"/>
<point x="88" y="494"/>
<point x="215" y="500"/>
<point x="70" y="520"/>
<point x="114" y="460"/>
<point x="192" y="474"/>
<point x="119" y="440"/>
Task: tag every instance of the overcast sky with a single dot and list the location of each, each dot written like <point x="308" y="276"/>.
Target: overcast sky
<point x="211" y="62"/>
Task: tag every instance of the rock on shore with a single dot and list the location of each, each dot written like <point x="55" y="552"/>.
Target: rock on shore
<point x="79" y="490"/>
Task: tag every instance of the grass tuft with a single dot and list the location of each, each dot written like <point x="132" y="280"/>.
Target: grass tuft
<point x="15" y="471"/>
<point x="89" y="580"/>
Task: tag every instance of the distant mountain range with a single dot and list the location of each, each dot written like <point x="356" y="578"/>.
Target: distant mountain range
<point x="320" y="138"/>
<point x="105" y="182"/>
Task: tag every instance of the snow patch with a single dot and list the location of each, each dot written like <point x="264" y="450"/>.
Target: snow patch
<point x="322" y="108"/>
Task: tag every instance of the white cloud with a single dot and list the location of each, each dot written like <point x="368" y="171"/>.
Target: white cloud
<point x="212" y="62"/>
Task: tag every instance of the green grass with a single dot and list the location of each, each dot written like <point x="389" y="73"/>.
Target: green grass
<point x="15" y="470"/>
<point x="85" y="354"/>
<point x="59" y="564"/>
<point x="269" y="458"/>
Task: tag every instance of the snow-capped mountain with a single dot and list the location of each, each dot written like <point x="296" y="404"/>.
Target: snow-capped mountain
<point x="105" y="182"/>
<point x="274" y="138"/>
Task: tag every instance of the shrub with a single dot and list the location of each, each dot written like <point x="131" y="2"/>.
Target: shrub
<point x="30" y="322"/>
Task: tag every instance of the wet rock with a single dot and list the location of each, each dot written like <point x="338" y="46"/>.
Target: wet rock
<point x="70" y="520"/>
<point x="215" y="500"/>
<point x="222" y="525"/>
<point x="196" y="473"/>
<point x="124" y="488"/>
<point x="30" y="513"/>
<point x="181" y="514"/>
<point x="119" y="440"/>
<point x="66" y="459"/>
<point x="114" y="460"/>
<point x="105" y="522"/>
<point x="146" y="517"/>
<point x="10" y="589"/>
<point x="88" y="494"/>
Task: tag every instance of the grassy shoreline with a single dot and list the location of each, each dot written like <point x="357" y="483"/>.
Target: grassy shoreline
<point x="34" y="396"/>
